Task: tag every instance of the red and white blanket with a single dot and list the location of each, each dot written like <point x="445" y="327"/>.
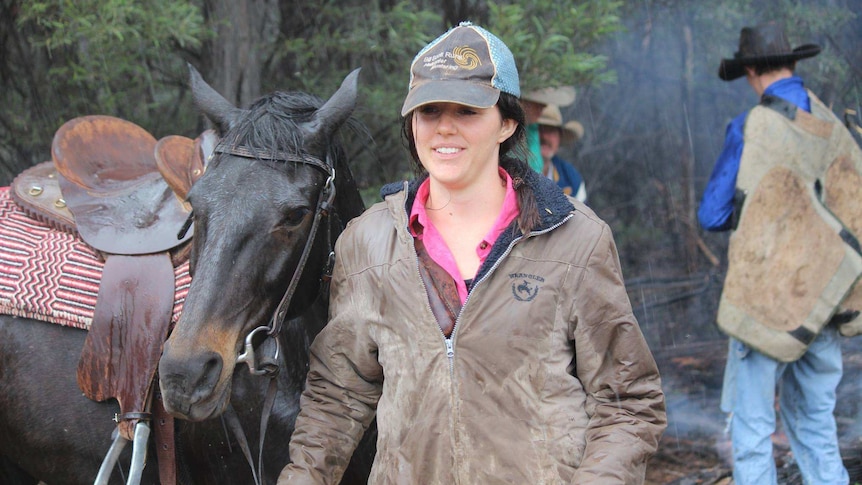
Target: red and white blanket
<point x="51" y="275"/>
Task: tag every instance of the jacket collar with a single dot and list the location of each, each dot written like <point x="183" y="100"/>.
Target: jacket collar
<point x="553" y="205"/>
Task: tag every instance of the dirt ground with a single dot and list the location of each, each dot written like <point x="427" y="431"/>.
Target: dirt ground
<point x="695" y="448"/>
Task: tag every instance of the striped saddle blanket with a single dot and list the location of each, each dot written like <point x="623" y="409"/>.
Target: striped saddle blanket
<point x="51" y="275"/>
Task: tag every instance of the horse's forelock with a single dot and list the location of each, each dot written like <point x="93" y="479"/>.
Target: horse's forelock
<point x="271" y="124"/>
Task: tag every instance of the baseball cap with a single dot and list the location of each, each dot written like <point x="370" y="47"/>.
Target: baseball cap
<point x="466" y="65"/>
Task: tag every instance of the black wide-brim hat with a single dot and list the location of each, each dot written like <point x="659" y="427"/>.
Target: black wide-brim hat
<point x="765" y="44"/>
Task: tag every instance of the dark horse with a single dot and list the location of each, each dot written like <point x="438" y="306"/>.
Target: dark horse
<point x="278" y="179"/>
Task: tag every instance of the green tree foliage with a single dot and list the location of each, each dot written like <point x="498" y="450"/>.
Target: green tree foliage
<point x="113" y="50"/>
<point x="126" y="58"/>
<point x="63" y="59"/>
<point x="554" y="42"/>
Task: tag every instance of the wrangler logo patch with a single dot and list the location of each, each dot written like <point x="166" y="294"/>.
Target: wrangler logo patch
<point x="525" y="287"/>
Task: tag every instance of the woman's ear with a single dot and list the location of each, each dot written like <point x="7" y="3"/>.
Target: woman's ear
<point x="507" y="129"/>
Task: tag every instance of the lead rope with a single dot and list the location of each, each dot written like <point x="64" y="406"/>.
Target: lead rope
<point x="264" y="419"/>
<point x="235" y="426"/>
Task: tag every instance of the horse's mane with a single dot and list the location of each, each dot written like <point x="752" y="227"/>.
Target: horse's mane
<point x="272" y="124"/>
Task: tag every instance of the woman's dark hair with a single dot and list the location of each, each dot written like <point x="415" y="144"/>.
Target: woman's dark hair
<point x="513" y="156"/>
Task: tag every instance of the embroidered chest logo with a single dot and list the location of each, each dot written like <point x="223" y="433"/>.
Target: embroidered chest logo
<point x="525" y="287"/>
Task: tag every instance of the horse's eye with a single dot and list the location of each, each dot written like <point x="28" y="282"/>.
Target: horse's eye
<point x="295" y="216"/>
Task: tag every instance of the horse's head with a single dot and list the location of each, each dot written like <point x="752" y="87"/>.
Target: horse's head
<point x="271" y="176"/>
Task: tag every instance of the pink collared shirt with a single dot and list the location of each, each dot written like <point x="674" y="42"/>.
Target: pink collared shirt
<point x="423" y="229"/>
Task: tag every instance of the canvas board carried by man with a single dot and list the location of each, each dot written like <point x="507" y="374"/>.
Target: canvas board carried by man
<point x="787" y="183"/>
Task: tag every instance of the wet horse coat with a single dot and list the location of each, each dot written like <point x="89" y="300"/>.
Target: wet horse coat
<point x="253" y="216"/>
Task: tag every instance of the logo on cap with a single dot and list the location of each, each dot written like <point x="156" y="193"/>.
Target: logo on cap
<point x="466" y="57"/>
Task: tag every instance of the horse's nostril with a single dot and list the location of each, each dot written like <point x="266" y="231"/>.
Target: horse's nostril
<point x="187" y="380"/>
<point x="207" y="370"/>
<point x="212" y="370"/>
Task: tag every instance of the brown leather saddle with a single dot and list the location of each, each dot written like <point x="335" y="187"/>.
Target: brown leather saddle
<point x="123" y="192"/>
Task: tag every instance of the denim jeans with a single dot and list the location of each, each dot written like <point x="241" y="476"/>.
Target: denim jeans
<point x="806" y="393"/>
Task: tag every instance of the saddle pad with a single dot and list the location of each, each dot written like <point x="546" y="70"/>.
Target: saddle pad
<point x="53" y="276"/>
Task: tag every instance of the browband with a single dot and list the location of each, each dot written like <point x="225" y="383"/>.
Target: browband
<point x="277" y="156"/>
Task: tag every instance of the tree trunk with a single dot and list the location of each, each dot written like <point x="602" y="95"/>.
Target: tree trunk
<point x="234" y="59"/>
<point x="456" y="11"/>
<point x="687" y="179"/>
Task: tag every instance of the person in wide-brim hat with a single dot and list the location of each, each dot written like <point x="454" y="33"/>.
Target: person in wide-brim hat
<point x="764" y="44"/>
<point x="558" y="95"/>
<point x="570" y="131"/>
<point x="774" y="137"/>
<point x="553" y="132"/>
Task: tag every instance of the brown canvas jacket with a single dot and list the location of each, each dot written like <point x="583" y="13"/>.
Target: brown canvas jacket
<point x="546" y="378"/>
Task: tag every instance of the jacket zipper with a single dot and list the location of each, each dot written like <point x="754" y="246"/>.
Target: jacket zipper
<point x="449" y="342"/>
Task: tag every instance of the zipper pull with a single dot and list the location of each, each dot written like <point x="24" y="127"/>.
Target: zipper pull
<point x="450" y="351"/>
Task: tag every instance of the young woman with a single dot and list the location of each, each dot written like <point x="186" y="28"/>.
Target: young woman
<point x="477" y="312"/>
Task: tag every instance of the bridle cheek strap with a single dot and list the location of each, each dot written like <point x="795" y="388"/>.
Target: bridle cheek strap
<point x="324" y="208"/>
<point x="269" y="366"/>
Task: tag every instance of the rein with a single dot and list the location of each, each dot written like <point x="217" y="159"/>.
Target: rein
<point x="269" y="367"/>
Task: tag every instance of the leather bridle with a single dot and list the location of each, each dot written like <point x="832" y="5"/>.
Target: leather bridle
<point x="269" y="366"/>
<point x="323" y="209"/>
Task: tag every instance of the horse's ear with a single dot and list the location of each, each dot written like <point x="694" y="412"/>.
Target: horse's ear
<point x="333" y="113"/>
<point x="218" y="109"/>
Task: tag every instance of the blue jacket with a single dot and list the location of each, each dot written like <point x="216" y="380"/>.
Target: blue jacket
<point x="569" y="179"/>
<point x="716" y="206"/>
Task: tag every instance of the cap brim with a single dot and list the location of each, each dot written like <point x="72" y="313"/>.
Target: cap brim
<point x="450" y="91"/>
<point x="731" y="69"/>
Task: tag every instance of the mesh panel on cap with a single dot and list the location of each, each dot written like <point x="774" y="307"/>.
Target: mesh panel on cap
<point x="506" y="79"/>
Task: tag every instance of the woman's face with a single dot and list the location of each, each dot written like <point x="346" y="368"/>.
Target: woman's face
<point x="458" y="144"/>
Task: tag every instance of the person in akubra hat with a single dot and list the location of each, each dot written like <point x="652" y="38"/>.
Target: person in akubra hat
<point x="806" y="386"/>
<point x="477" y="311"/>
<point x="534" y="102"/>
<point x="764" y="47"/>
<point x="553" y="132"/>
